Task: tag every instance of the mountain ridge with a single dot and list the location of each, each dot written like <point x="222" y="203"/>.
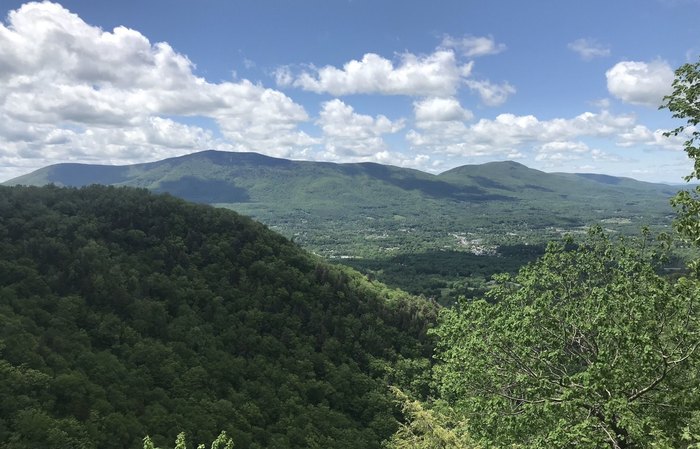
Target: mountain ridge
<point x="367" y="209"/>
<point x="262" y="159"/>
<point x="385" y="219"/>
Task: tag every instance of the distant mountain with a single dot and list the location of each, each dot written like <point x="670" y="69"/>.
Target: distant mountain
<point x="439" y="235"/>
<point x="356" y="209"/>
<point x="232" y="177"/>
<point x="516" y="177"/>
<point x="225" y="177"/>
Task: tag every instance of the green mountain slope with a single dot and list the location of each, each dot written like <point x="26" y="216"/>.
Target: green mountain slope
<point x="123" y="313"/>
<point x="525" y="182"/>
<point x="371" y="215"/>
<point x="310" y="200"/>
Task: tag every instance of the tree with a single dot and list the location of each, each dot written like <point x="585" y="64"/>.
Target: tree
<point x="427" y="428"/>
<point x="221" y="442"/>
<point x="587" y="347"/>
<point x="684" y="103"/>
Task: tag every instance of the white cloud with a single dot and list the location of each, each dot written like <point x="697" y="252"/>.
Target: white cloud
<point x="349" y="134"/>
<point x="641" y="83"/>
<point x="509" y="133"/>
<point x="558" y="152"/>
<point x="491" y="94"/>
<point x="441" y="125"/>
<point x="588" y="49"/>
<point x="602" y="103"/>
<point x="559" y="146"/>
<point x="637" y="135"/>
<point x="440" y="110"/>
<point x="283" y="76"/>
<point x="640" y="135"/>
<point x="156" y="138"/>
<point x="437" y="74"/>
<point x="600" y="155"/>
<point x="513" y="130"/>
<point x="557" y="157"/>
<point x="473" y="46"/>
<point x="553" y="144"/>
<point x="70" y="91"/>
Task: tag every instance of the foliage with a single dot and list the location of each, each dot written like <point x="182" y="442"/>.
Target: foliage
<point x="684" y="103"/>
<point x="427" y="428"/>
<point x="221" y="442"/>
<point x="124" y="313"/>
<point x="587" y="347"/>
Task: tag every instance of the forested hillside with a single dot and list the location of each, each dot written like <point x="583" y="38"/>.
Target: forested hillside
<point x="124" y="313"/>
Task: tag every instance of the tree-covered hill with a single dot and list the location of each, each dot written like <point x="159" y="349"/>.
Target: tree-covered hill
<point x="124" y="313"/>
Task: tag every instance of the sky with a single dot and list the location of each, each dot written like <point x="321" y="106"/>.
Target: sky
<point x="558" y="85"/>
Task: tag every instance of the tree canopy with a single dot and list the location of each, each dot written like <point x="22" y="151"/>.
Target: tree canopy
<point x="684" y="103"/>
<point x="223" y="441"/>
<point x="592" y="345"/>
<point x="124" y="314"/>
<point x="587" y="347"/>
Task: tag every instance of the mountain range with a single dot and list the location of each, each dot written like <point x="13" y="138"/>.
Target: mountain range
<point x="278" y="190"/>
<point x="364" y="213"/>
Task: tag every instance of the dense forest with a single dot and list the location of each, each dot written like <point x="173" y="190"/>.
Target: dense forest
<point x="125" y="314"/>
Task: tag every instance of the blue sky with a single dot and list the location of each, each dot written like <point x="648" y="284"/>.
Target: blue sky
<point x="557" y="85"/>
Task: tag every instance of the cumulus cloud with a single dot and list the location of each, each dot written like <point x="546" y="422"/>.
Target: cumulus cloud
<point x="640" y="135"/>
<point x="588" y="49"/>
<point x="509" y="133"/>
<point x="559" y="146"/>
<point x="557" y="157"/>
<point x="440" y="110"/>
<point x="557" y="152"/>
<point x="491" y="94"/>
<point x="513" y="130"/>
<point x="115" y="95"/>
<point x="640" y="83"/>
<point x="352" y="137"/>
<point x="349" y="134"/>
<point x="436" y="74"/>
<point x="473" y="46"/>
